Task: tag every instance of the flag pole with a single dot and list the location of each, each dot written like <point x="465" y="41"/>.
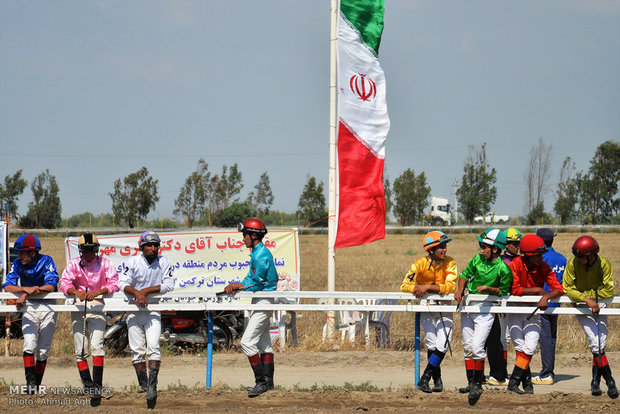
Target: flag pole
<point x="333" y="123"/>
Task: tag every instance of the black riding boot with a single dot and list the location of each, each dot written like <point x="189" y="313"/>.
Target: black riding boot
<point x="423" y="384"/>
<point x="526" y="380"/>
<point x="515" y="379"/>
<point x="476" y="387"/>
<point x="269" y="368"/>
<point x="30" y="372"/>
<point x="470" y="379"/>
<point x="85" y="377"/>
<point x="595" y="385"/>
<point x="143" y="377"/>
<point x="435" y="357"/>
<point x="97" y="380"/>
<point x="259" y="376"/>
<point x="612" y="389"/>
<point x="39" y="369"/>
<point x="151" y="389"/>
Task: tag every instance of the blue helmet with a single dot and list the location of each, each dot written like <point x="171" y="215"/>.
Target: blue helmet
<point x="27" y="243"/>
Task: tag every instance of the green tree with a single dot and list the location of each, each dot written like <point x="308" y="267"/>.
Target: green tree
<point x="192" y="197"/>
<point x="9" y="193"/>
<point x="45" y="210"/>
<point x="263" y="198"/>
<point x="566" y="194"/>
<point x="538" y="216"/>
<point x="387" y="187"/>
<point x="311" y="204"/>
<point x="410" y="197"/>
<point x="477" y="192"/>
<point x="598" y="188"/>
<point x="134" y="197"/>
<point x="224" y="187"/>
<point x="236" y="213"/>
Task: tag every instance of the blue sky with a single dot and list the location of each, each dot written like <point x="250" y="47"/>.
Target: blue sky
<point x="94" y="90"/>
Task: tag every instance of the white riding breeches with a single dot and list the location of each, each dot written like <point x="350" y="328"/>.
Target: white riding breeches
<point x="475" y="329"/>
<point x="436" y="330"/>
<point x="38" y="329"/>
<point x="144" y="329"/>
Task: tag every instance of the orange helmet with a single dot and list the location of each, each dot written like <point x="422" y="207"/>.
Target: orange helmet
<point x="434" y="239"/>
<point x="585" y="246"/>
<point x="252" y="225"/>
<point x="532" y="245"/>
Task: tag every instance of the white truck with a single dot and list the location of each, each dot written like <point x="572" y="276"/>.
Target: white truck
<point x="492" y="218"/>
<point x="440" y="212"/>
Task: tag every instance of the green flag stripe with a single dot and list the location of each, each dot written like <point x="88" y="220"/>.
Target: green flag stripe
<point x="366" y="18"/>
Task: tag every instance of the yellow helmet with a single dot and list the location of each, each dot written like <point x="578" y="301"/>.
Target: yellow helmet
<point x="513" y="235"/>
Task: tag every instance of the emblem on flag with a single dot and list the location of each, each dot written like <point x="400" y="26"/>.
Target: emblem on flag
<point x="362" y="86"/>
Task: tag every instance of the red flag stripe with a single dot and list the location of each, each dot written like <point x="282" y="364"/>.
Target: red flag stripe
<point x="361" y="209"/>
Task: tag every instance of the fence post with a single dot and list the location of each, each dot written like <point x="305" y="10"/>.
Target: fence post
<point x="417" y="350"/>
<point x="209" y="349"/>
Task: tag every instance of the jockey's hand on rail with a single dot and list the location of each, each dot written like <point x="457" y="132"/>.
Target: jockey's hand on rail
<point x="141" y="299"/>
<point x="233" y="287"/>
<point x="543" y="303"/>
<point x="592" y="305"/>
<point x="488" y="289"/>
<point x="21" y="300"/>
<point x="31" y="290"/>
<point x="421" y="290"/>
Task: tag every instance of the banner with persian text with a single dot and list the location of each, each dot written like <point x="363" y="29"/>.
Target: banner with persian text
<point x="205" y="260"/>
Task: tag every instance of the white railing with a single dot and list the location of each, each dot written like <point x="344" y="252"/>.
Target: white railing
<point x="290" y="301"/>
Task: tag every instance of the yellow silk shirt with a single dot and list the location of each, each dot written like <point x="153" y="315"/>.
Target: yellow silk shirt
<point x="424" y="272"/>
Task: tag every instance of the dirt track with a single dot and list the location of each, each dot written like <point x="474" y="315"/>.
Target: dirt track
<point x="387" y="370"/>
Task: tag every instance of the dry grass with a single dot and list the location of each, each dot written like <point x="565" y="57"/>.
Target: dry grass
<point x="380" y="266"/>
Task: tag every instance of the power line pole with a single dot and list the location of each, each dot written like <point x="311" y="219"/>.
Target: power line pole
<point x="455" y="186"/>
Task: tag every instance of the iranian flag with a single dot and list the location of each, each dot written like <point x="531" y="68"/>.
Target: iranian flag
<point x="363" y="124"/>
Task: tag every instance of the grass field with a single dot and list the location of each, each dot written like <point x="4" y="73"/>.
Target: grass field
<point x="380" y="266"/>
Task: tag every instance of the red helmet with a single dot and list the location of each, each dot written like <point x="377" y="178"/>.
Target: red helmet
<point x="532" y="245"/>
<point x="252" y="225"/>
<point x="585" y="246"/>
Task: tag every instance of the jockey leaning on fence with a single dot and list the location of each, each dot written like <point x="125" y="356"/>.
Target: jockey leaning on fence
<point x="497" y="342"/>
<point x="589" y="277"/>
<point x="146" y="274"/>
<point x="485" y="274"/>
<point x="32" y="274"/>
<point x="530" y="274"/>
<point x="262" y="276"/>
<point x="549" y="323"/>
<point x="435" y="274"/>
<point x="87" y="277"/>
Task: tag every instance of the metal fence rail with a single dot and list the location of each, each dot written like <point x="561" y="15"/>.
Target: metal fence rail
<point x="292" y="301"/>
<point x="300" y="301"/>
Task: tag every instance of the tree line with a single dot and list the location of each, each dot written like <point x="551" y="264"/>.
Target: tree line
<point x="213" y="199"/>
<point x="205" y="198"/>
<point x="586" y="197"/>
